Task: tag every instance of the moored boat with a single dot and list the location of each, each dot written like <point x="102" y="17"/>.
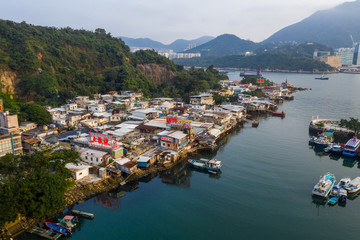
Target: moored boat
<point x="343" y="182"/>
<point x="68" y="222"/>
<point x="352" y="147"/>
<point x="353" y="186"/>
<point x="336" y="149"/>
<point x="332" y="201"/>
<point x="255" y="123"/>
<point x="279" y="114"/>
<point x="328" y="148"/>
<point x="324" y="186"/>
<point x="57" y="228"/>
<point x="322" y="77"/>
<point x="205" y="164"/>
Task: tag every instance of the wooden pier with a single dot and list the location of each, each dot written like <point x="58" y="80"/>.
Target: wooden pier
<point x="83" y="214"/>
<point x="44" y="233"/>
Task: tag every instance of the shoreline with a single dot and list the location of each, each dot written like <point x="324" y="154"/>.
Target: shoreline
<point x="81" y="193"/>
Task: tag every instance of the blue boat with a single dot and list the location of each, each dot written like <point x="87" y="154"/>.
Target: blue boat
<point x="352" y="147"/>
<point x="205" y="164"/>
<point x="57" y="228"/>
<point x="332" y="201"/>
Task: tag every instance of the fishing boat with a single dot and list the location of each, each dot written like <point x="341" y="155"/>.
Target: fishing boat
<point x="336" y="149"/>
<point x="324" y="186"/>
<point x="352" y="147"/>
<point x="205" y="164"/>
<point x="68" y="222"/>
<point x="322" y="77"/>
<point x="57" y="228"/>
<point x="324" y="140"/>
<point x="278" y="114"/>
<point x="312" y="140"/>
<point x="353" y="186"/>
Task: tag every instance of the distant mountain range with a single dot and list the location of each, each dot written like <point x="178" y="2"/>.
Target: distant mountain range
<point x="331" y="27"/>
<point x="178" y="45"/>
<point x="225" y="44"/>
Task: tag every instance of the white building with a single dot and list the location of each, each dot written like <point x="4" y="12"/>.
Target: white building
<point x="78" y="171"/>
<point x="94" y="157"/>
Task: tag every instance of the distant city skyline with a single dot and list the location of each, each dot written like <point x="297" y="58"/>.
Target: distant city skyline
<point x="167" y="20"/>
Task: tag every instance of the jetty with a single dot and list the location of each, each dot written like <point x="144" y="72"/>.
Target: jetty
<point x="45" y="233"/>
<point x="83" y="214"/>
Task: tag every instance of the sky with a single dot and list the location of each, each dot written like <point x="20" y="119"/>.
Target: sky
<point x="167" y="20"/>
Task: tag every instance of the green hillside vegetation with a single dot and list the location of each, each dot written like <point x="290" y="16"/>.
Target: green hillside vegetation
<point x="267" y="60"/>
<point x="295" y="50"/>
<point x="53" y="65"/>
<point x="34" y="185"/>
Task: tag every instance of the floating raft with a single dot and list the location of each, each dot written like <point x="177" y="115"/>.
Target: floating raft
<point x="83" y="214"/>
<point x="44" y="233"/>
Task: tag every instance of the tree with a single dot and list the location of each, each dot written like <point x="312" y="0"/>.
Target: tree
<point x="219" y="98"/>
<point x="34" y="185"/>
<point x="351" y="124"/>
<point x="36" y="113"/>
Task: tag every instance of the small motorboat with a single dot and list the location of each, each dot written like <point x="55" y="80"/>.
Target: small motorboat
<point x="342" y="195"/>
<point x="353" y="186"/>
<point x="68" y="222"/>
<point x="59" y="229"/>
<point x="336" y="149"/>
<point x="322" y="78"/>
<point x="343" y="182"/>
<point x="332" y="201"/>
<point x="328" y="148"/>
<point x="255" y="123"/>
<point x="279" y="114"/>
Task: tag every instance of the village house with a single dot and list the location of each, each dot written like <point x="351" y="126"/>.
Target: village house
<point x="78" y="171"/>
<point x="202" y="99"/>
<point x="81" y="99"/>
<point x="173" y="139"/>
<point x="94" y="157"/>
<point x="26" y="126"/>
<point x="125" y="165"/>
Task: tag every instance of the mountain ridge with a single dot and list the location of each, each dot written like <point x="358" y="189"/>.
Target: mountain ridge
<point x="331" y="27"/>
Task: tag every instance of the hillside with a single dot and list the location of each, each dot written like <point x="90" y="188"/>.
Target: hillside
<point x="295" y="50"/>
<point x="178" y="45"/>
<point x="49" y="65"/>
<point x="267" y="60"/>
<point x="331" y="27"/>
<point x="225" y="44"/>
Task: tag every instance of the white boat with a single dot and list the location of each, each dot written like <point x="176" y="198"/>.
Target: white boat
<point x="328" y="148"/>
<point x="353" y="186"/>
<point x="324" y="186"/>
<point x="343" y="182"/>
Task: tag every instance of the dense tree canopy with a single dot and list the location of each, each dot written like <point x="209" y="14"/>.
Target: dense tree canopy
<point x="34" y="185"/>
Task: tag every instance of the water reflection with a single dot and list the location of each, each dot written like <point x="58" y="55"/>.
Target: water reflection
<point x="106" y="201"/>
<point x="179" y="175"/>
<point x="349" y="162"/>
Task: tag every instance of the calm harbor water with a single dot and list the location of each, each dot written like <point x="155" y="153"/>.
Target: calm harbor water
<point x="264" y="190"/>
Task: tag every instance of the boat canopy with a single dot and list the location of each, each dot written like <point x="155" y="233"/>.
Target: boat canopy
<point x="329" y="134"/>
<point x="353" y="143"/>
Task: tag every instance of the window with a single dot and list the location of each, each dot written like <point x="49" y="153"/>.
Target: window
<point x="168" y="144"/>
<point x="86" y="158"/>
<point x="80" y="173"/>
